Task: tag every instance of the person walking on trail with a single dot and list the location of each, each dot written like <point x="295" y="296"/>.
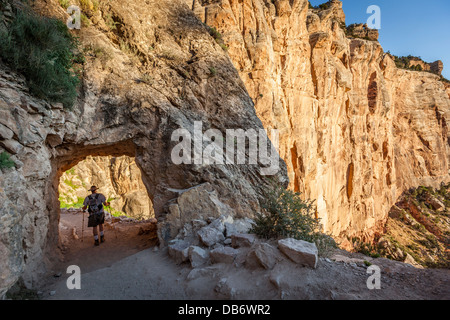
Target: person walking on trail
<point x="95" y="202"/>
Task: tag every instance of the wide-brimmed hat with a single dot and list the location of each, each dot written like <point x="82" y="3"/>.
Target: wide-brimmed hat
<point x="93" y="188"/>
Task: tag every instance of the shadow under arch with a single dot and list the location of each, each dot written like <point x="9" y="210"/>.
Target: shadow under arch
<point x="68" y="156"/>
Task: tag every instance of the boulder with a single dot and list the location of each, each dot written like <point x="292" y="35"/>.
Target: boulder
<point x="197" y="256"/>
<point x="267" y="255"/>
<point x="242" y="240"/>
<point x="411" y="261"/>
<point x="179" y="251"/>
<point x="262" y="255"/>
<point x="218" y="224"/>
<point x="223" y="255"/>
<point x="238" y="226"/>
<point x="5" y="132"/>
<point x="197" y="224"/>
<point x="299" y="251"/>
<point x="436" y="204"/>
<point x="209" y="236"/>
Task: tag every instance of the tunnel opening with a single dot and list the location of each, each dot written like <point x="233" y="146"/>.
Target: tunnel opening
<point x="118" y="179"/>
<point x="129" y="225"/>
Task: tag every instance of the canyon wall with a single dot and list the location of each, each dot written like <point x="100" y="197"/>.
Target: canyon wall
<point x="355" y="131"/>
<point x="141" y="80"/>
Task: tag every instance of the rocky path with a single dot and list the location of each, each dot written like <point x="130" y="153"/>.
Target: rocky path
<point x="131" y="267"/>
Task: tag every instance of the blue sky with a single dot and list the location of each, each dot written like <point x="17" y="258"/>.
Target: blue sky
<point x="416" y="27"/>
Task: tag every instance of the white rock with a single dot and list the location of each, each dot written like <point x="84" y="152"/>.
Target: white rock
<point x="242" y="240"/>
<point x="223" y="255"/>
<point x="266" y="255"/>
<point x="299" y="251"/>
<point x="238" y="226"/>
<point x="210" y="236"/>
<point x="12" y="146"/>
<point x="410" y="260"/>
<point x="5" y="132"/>
<point x="218" y="224"/>
<point x="230" y="229"/>
<point x="179" y="251"/>
<point x="197" y="256"/>
<point x="197" y="224"/>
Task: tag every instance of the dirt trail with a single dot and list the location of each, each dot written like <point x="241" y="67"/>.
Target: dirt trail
<point x="131" y="267"/>
<point x="123" y="239"/>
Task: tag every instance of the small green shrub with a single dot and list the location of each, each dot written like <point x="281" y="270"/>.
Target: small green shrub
<point x="169" y="54"/>
<point x="110" y="23"/>
<point x="323" y="6"/>
<point x="85" y="22"/>
<point x="217" y="37"/>
<point x="66" y="202"/>
<point x="443" y="79"/>
<point x="224" y="47"/>
<point x="5" y="161"/>
<point x="64" y="3"/>
<point x="287" y="215"/>
<point x="213" y="71"/>
<point x="89" y="6"/>
<point x="214" y="33"/>
<point x="147" y="79"/>
<point x="365" y="248"/>
<point x="42" y="49"/>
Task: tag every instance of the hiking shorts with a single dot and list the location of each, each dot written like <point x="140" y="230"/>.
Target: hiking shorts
<point x="96" y="219"/>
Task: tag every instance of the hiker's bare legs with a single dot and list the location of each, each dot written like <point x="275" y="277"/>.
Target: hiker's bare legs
<point x="94" y="229"/>
<point x="102" y="235"/>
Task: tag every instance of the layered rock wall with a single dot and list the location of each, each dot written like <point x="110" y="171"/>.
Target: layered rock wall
<point x="355" y="131"/>
<point x="142" y="80"/>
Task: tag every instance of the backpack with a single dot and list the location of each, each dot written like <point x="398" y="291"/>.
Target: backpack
<point x="92" y="203"/>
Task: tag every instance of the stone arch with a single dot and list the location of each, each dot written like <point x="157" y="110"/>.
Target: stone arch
<point x="69" y="156"/>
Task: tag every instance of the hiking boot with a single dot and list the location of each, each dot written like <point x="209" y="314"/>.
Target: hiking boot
<point x="102" y="238"/>
<point x="96" y="243"/>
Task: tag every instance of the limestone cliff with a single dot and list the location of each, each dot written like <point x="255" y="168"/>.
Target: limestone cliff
<point x="355" y="131"/>
<point x="148" y="71"/>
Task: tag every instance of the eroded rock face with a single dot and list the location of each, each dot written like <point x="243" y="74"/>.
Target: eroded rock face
<point x="130" y="103"/>
<point x="355" y="131"/>
<point x="362" y="31"/>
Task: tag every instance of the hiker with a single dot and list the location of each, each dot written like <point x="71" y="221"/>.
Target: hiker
<point x="95" y="202"/>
